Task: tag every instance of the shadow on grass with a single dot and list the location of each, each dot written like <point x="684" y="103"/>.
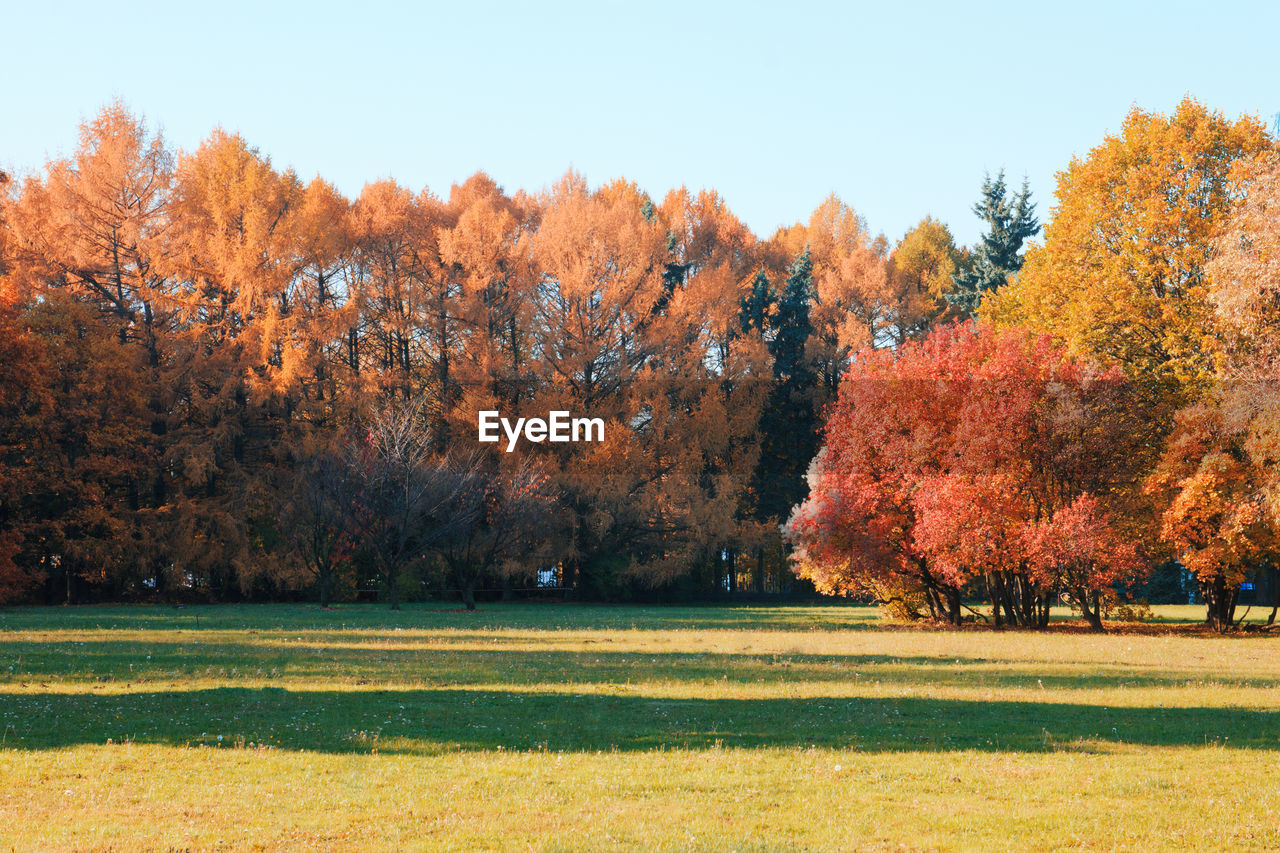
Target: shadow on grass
<point x="431" y="721"/>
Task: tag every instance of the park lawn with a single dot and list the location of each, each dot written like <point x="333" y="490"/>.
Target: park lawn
<point x="570" y="727"/>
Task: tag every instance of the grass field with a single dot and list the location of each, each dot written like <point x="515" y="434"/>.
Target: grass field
<point x="560" y="727"/>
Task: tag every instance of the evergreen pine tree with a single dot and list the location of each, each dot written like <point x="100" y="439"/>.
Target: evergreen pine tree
<point x="1011" y="220"/>
<point x="788" y="425"/>
<point x="792" y="323"/>
<point x="756" y="304"/>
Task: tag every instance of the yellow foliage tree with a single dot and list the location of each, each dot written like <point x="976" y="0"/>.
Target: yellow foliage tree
<point x="1121" y="276"/>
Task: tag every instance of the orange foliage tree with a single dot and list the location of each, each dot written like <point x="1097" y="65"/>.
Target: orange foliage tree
<point x="1215" y="519"/>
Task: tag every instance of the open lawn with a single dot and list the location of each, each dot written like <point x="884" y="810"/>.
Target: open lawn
<point x="563" y="727"/>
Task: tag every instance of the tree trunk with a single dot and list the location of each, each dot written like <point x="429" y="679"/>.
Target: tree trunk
<point x="393" y="589"/>
<point x="1220" y="603"/>
<point x="1043" y="604"/>
<point x="1026" y="602"/>
<point x="1006" y="600"/>
<point x="934" y="601"/>
<point x="953" y="606"/>
<point x="1275" y="596"/>
<point x="759" y="570"/>
<point x="1091" y="608"/>
<point x="569" y="578"/>
<point x="995" y="594"/>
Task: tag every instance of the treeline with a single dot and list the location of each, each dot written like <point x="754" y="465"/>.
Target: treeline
<point x="1113" y="407"/>
<point x="220" y="382"/>
<point x="194" y="345"/>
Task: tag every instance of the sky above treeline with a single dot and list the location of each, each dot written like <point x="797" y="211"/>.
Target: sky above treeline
<point x="899" y="108"/>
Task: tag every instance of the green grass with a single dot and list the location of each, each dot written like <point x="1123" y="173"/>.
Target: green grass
<point x="565" y="727"/>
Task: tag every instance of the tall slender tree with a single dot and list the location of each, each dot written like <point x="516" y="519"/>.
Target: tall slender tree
<point x="1011" y="221"/>
<point x="788" y="425"/>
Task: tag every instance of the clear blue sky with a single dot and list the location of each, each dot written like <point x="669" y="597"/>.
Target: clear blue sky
<point x="897" y="107"/>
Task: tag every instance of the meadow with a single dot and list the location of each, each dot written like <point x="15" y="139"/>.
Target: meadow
<point x="578" y="727"/>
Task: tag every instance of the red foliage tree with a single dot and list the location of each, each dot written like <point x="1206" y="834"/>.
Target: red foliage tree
<point x="1079" y="550"/>
<point x="946" y="459"/>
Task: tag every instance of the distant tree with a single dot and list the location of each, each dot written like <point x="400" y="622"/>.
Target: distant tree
<point x="231" y="353"/>
<point x="922" y="270"/>
<point x="716" y="367"/>
<point x="491" y="367"/>
<point x="1010" y="221"/>
<point x="973" y="459"/>
<point x="851" y="305"/>
<point x="308" y="356"/>
<point x="26" y="407"/>
<point x="506" y="511"/>
<point x="317" y="519"/>
<point x="1168" y="583"/>
<point x="77" y="467"/>
<point x="792" y="324"/>
<point x="756" y="304"/>
<point x="1212" y="490"/>
<point x="788" y="424"/>
<point x="599" y="265"/>
<point x="1080" y="551"/>
<point x="408" y="500"/>
<point x="1122" y="274"/>
<point x="394" y="254"/>
<point x="92" y="224"/>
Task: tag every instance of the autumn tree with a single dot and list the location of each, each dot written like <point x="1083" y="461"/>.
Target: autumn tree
<point x="854" y="532"/>
<point x="1244" y="279"/>
<point x="943" y="460"/>
<point x="91" y="223"/>
<point x="74" y="471"/>
<point x="1215" y="517"/>
<point x="233" y="363"/>
<point x="1121" y="276"/>
<point x="394" y="266"/>
<point x="620" y="338"/>
<point x="600" y="265"/>
<point x="315" y="348"/>
<point x="1244" y="270"/>
<point x="1216" y="480"/>
<point x="25" y="406"/>
<point x="717" y="260"/>
<point x="1078" y="549"/>
<point x="485" y="251"/>
<point x="922" y="268"/>
<point x="851" y="306"/>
